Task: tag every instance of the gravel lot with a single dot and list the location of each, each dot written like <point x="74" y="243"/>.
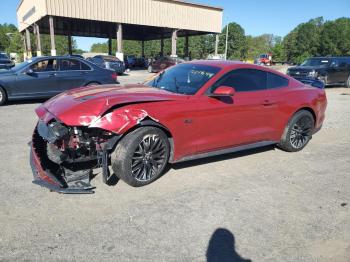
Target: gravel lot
<point x="262" y="205"/>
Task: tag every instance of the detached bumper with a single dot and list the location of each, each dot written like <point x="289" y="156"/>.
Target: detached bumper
<point x="54" y="177"/>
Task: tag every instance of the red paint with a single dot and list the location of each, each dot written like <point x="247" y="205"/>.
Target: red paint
<point x="197" y="123"/>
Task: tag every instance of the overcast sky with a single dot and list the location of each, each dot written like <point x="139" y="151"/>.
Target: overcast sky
<point x="256" y="16"/>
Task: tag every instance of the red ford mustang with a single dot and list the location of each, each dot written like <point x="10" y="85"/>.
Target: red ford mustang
<point x="188" y="111"/>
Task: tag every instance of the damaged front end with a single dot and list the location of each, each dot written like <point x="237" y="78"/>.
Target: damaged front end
<point x="63" y="157"/>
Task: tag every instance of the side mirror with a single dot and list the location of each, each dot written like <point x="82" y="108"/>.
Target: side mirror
<point x="223" y="91"/>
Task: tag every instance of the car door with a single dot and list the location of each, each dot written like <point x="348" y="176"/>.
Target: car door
<point x="72" y="73"/>
<point x="39" y="79"/>
<point x="337" y="73"/>
<point x="232" y="121"/>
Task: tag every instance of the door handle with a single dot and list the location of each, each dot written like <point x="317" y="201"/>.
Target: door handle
<point x="268" y="103"/>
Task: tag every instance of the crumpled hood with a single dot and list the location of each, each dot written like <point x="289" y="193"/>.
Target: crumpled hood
<point x="84" y="105"/>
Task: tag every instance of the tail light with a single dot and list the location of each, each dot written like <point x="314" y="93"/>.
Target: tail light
<point x="114" y="76"/>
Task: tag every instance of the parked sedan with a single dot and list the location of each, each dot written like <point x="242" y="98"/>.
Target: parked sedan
<point x="48" y="76"/>
<point x="189" y="111"/>
<point x="5" y="62"/>
<point x="163" y="63"/>
<point x="109" y="62"/>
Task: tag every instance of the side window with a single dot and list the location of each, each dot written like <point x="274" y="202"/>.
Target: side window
<point x="276" y="81"/>
<point x="243" y="80"/>
<point x="44" y="66"/>
<point x="85" y="66"/>
<point x="70" y="65"/>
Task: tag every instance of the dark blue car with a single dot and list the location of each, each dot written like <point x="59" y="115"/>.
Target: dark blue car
<point x="45" y="77"/>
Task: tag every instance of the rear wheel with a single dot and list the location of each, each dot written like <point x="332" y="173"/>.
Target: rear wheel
<point x="298" y="132"/>
<point x="347" y="84"/>
<point x="3" y="96"/>
<point x="141" y="156"/>
<point x="93" y="84"/>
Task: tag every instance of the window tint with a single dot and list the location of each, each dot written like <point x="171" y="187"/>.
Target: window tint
<point x="85" y="66"/>
<point x="70" y="65"/>
<point x="44" y="66"/>
<point x="243" y="80"/>
<point x="276" y="81"/>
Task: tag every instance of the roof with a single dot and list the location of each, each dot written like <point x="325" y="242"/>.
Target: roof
<point x="141" y="19"/>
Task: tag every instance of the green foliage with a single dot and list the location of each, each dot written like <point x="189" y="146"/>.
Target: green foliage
<point x="199" y="47"/>
<point x="236" y="42"/>
<point x="318" y="38"/>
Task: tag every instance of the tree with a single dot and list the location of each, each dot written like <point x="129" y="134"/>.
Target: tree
<point x="236" y="42"/>
<point x="335" y="37"/>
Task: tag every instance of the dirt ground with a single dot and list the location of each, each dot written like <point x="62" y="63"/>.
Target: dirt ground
<point x="262" y="205"/>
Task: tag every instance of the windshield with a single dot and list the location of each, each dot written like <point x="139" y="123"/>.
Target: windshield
<point x="184" y="78"/>
<point x="21" y="65"/>
<point x="315" y="62"/>
<point x="3" y="56"/>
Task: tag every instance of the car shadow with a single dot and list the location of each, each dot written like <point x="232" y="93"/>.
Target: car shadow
<point x="219" y="158"/>
<point x="221" y="247"/>
<point x="25" y="102"/>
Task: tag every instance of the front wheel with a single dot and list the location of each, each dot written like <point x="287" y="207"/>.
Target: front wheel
<point x="298" y="132"/>
<point x="141" y="156"/>
<point x="3" y="96"/>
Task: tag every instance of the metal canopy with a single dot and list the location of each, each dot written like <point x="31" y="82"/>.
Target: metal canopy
<point x="101" y="29"/>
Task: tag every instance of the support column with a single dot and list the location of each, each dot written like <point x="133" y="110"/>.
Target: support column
<point x="110" y="46"/>
<point x="143" y="48"/>
<point x="70" y="51"/>
<point x="216" y="44"/>
<point x="29" y="45"/>
<point x="38" y="40"/>
<point x="187" y="54"/>
<point x="119" y="38"/>
<point x="162" y="45"/>
<point x="25" y="53"/>
<point x="173" y="44"/>
<point x="52" y="36"/>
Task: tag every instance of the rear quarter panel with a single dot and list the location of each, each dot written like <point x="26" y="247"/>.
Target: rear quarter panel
<point x="294" y="98"/>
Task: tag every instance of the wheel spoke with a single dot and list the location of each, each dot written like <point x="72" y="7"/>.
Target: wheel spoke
<point x="148" y="158"/>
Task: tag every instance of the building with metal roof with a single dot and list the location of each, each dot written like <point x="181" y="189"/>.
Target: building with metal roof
<point x="117" y="19"/>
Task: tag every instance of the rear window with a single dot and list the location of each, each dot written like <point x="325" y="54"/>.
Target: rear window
<point x="110" y="59"/>
<point x="276" y="81"/>
<point x="73" y="65"/>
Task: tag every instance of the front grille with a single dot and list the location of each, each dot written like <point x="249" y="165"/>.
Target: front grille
<point x="298" y="73"/>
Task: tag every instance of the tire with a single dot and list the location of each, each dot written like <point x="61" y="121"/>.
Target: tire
<point x="3" y="96"/>
<point x="150" y="69"/>
<point x="298" y="132"/>
<point x="136" y="164"/>
<point x="93" y="84"/>
<point x="347" y="84"/>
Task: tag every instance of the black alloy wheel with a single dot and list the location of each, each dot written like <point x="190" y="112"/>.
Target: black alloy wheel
<point x="148" y="158"/>
<point x="301" y="132"/>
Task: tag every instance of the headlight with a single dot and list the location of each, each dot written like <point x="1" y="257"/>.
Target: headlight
<point x="312" y="73"/>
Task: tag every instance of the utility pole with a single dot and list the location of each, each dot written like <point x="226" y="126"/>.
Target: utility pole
<point x="226" y="48"/>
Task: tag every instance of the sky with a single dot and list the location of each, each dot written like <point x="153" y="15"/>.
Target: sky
<point x="257" y="17"/>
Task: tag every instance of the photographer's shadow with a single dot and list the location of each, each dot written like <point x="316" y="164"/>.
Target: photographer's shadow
<point x="221" y="248"/>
